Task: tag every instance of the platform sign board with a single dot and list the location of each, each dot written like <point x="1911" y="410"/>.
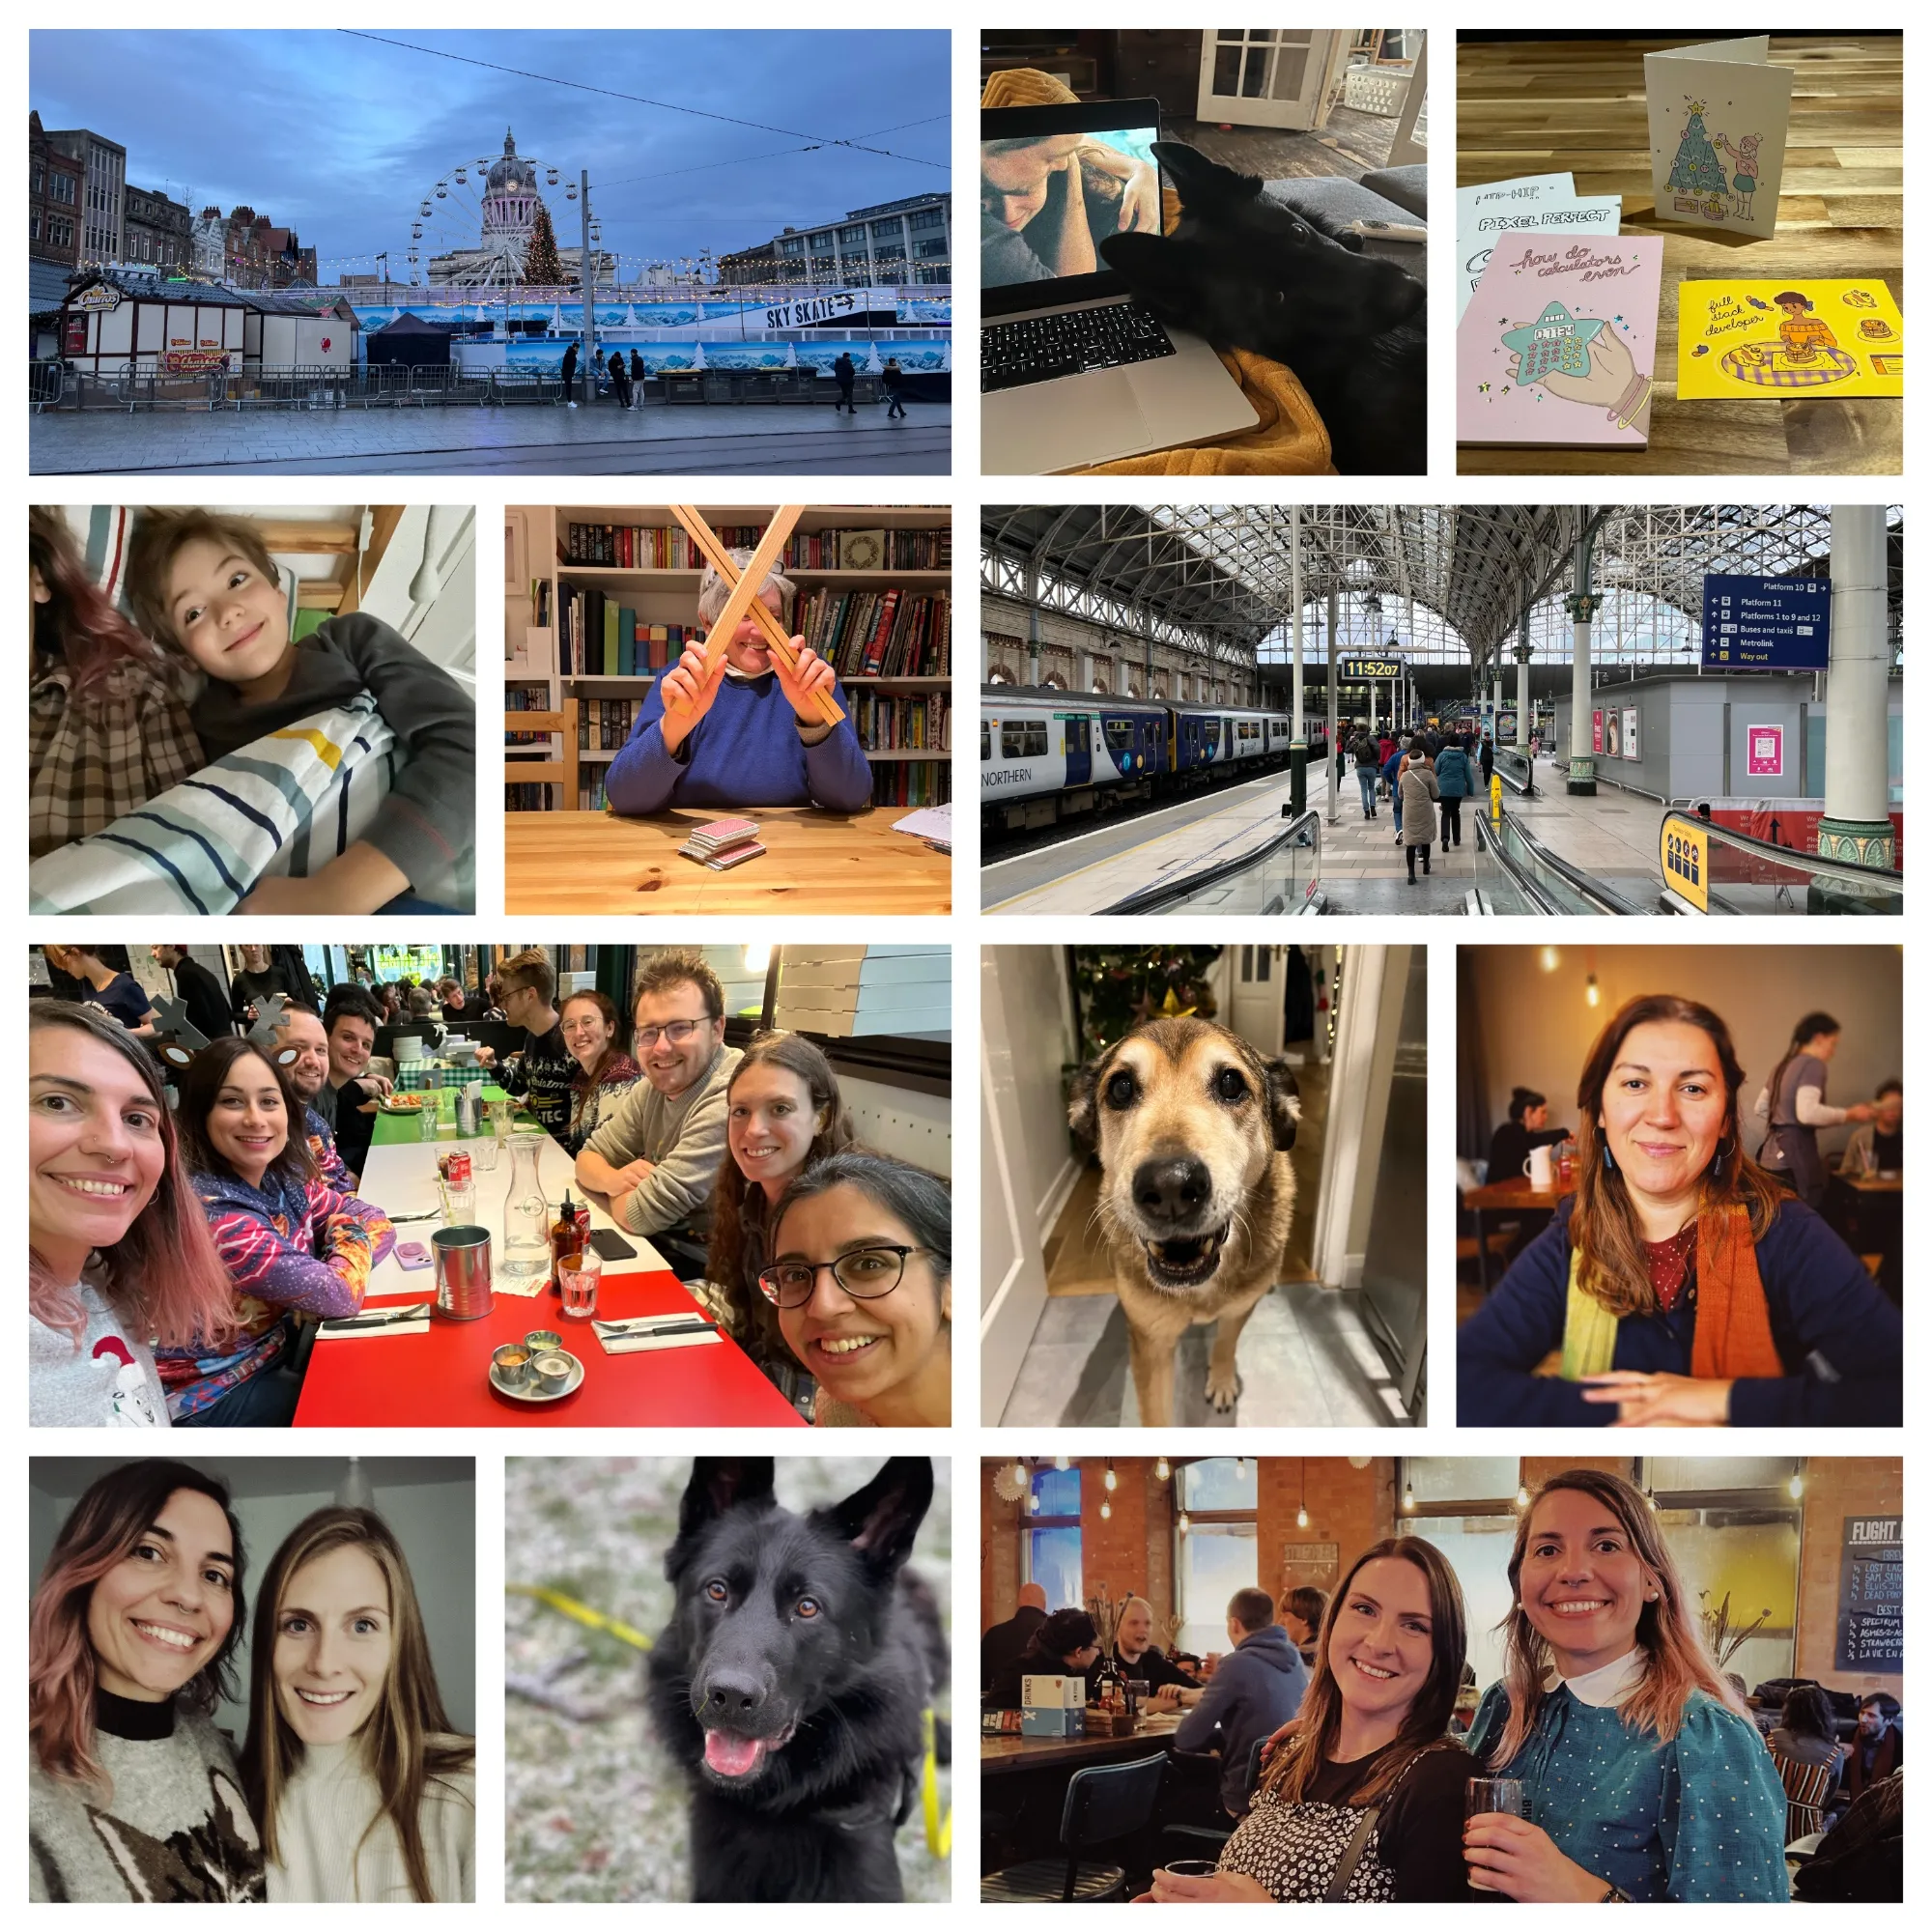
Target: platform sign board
<point x="1871" y="1595"/>
<point x="1359" y="670"/>
<point x="1629" y="735"/>
<point x="1767" y="623"/>
<point x="1764" y="750"/>
<point x="1685" y="854"/>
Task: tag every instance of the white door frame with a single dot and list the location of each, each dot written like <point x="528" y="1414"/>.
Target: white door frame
<point x="1406" y="151"/>
<point x="1301" y="111"/>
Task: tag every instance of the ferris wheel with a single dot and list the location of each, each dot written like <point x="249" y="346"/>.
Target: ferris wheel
<point x="448" y="218"/>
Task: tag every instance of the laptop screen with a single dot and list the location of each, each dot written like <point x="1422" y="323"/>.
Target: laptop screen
<point x="1054" y="184"/>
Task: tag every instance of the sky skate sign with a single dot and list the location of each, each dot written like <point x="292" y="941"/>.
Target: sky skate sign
<point x="810" y="311"/>
<point x="1767" y="623"/>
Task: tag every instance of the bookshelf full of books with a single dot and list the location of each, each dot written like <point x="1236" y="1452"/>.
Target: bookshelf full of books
<point x="608" y="600"/>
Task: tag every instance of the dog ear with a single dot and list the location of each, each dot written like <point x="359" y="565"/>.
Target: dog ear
<point x="1082" y="1107"/>
<point x="717" y="1483"/>
<point x="880" y="1520"/>
<point x="1284" y="1102"/>
<point x="1204" y="186"/>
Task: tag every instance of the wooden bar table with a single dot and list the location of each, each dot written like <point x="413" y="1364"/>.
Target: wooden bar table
<point x="1515" y="1196"/>
<point x="814" y="862"/>
<point x="441" y="1378"/>
<point x="1010" y="1753"/>
<point x="1525" y="106"/>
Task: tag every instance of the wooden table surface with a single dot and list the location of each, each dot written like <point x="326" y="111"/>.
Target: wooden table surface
<point x="1499" y="1196"/>
<point x="1875" y="1184"/>
<point x="1532" y="108"/>
<point x="1010" y="1752"/>
<point x="814" y="862"/>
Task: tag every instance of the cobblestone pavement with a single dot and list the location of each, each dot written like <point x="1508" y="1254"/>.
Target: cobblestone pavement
<point x="588" y="440"/>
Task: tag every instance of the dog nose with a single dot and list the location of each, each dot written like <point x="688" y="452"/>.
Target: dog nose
<point x="1172" y="1190"/>
<point x="730" y="1695"/>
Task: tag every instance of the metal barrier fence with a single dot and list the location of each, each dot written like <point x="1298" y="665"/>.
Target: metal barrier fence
<point x="53" y="385"/>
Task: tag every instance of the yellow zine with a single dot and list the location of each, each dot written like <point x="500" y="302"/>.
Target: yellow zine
<point x="1779" y="341"/>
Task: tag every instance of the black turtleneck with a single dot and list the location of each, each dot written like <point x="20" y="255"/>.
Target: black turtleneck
<point x="134" y="1717"/>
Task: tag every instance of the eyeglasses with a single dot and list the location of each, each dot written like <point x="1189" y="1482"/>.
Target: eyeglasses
<point x="866" y="1274"/>
<point x="677" y="1032"/>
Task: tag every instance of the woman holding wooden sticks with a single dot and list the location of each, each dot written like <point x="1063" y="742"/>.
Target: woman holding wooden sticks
<point x="737" y="726"/>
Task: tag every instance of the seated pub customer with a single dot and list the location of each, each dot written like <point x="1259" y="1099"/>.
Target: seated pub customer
<point x="1681" y="1284"/>
<point x="741" y="730"/>
<point x="132" y="1796"/>
<point x="1065" y="1644"/>
<point x="1367" y="1767"/>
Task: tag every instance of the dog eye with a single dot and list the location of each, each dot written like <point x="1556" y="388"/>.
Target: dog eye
<point x="808" y="1606"/>
<point x="1230" y="1085"/>
<point x="1121" y="1091"/>
<point x="716" y="1590"/>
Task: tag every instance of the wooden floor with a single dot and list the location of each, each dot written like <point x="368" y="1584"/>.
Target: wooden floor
<point x="1353" y="144"/>
<point x="1529" y="107"/>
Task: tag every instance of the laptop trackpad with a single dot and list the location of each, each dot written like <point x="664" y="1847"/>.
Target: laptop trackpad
<point x="1064" y="424"/>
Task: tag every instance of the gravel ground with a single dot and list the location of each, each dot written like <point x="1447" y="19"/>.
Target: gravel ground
<point x="595" y="1810"/>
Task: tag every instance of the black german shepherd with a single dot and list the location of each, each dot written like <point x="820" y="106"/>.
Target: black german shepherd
<point x="791" y="1682"/>
<point x="1249" y="272"/>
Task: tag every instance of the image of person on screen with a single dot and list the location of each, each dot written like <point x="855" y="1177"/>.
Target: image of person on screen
<point x="1047" y="203"/>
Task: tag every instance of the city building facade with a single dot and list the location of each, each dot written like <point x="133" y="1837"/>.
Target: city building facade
<point x="158" y="230"/>
<point x="892" y="243"/>
<point x="103" y="195"/>
<point x="56" y="185"/>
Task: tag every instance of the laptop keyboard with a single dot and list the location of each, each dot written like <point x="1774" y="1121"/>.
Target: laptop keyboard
<point x="1041" y="347"/>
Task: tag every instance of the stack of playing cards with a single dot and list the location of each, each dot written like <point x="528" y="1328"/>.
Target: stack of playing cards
<point x="724" y="843"/>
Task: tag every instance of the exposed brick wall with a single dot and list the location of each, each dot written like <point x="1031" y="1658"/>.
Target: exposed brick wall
<point x="1114" y="1549"/>
<point x="1349" y="1507"/>
<point x="1835" y="1487"/>
<point x="1540" y="1469"/>
<point x="999" y="1551"/>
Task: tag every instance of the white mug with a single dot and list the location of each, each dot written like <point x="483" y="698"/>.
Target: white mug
<point x="1537" y="1167"/>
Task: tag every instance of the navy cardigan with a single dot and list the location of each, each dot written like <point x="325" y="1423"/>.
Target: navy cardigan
<point x="1840" y="1340"/>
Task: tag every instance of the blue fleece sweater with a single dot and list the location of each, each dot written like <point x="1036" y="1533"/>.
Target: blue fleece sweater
<point x="1841" y="1342"/>
<point x="1255" y="1688"/>
<point x="745" y="752"/>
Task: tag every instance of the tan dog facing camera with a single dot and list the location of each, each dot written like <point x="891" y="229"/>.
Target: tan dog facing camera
<point x="1193" y="1128"/>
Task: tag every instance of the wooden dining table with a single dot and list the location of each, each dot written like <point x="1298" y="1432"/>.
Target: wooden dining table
<point x="1514" y="1196"/>
<point x="1008" y="1751"/>
<point x="814" y="862"/>
<point x="439" y="1379"/>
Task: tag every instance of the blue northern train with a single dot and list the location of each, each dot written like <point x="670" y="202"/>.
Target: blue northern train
<point x="1049" y="755"/>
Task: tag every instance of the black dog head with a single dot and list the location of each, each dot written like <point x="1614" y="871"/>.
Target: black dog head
<point x="1248" y="271"/>
<point x="778" y="1614"/>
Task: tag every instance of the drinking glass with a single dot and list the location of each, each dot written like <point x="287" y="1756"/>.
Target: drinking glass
<point x="1492" y="1794"/>
<point x="577" y="1278"/>
<point x="484" y="1153"/>
<point x="458" y="1204"/>
<point x="427" y="1123"/>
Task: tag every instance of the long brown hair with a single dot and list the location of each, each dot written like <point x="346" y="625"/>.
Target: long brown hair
<point x="1670" y="1636"/>
<point x="406" y="1741"/>
<point x="201" y="1087"/>
<point x="1604" y="1226"/>
<point x="79" y="626"/>
<point x="163" y="1273"/>
<point x="106" y="1524"/>
<point x="1296" y="1764"/>
<point x="616" y="1047"/>
<point x="740" y="1222"/>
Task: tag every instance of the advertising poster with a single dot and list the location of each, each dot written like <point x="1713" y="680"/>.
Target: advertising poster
<point x="1764" y="750"/>
<point x="1630" y="752"/>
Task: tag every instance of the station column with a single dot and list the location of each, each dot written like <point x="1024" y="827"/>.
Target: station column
<point x="1522" y="711"/>
<point x="1856" y="826"/>
<point x="1297" y="736"/>
<point x="1581" y="606"/>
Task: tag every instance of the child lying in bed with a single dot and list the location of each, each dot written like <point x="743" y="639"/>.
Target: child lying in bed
<point x="205" y="584"/>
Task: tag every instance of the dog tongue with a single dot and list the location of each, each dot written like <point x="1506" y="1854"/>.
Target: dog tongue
<point x="731" y="1756"/>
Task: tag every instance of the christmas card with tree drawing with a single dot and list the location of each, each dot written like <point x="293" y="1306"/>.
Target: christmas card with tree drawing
<point x="1782" y="341"/>
<point x="1559" y="342"/>
<point x="1717" y="116"/>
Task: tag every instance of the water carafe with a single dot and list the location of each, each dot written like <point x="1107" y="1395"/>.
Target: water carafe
<point x="526" y="1215"/>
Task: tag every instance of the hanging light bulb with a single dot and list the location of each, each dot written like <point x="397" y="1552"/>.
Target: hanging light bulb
<point x="1407" y="1498"/>
<point x="1113" y="1481"/>
<point x="1301" y="1516"/>
<point x="1521" y="1496"/>
<point x="757" y="958"/>
<point x="1551" y="959"/>
<point x="1796" y="1485"/>
<point x="1183" y="1524"/>
<point x="1106" y="1509"/>
<point x="1061" y="1462"/>
<point x="1033" y="1500"/>
<point x="1161" y="1470"/>
<point x="1592" y="993"/>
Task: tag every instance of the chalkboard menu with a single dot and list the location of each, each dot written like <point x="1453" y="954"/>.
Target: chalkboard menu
<point x="1871" y="1595"/>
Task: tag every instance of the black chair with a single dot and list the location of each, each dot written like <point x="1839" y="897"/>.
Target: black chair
<point x="1205" y="1841"/>
<point x="1104" y="1804"/>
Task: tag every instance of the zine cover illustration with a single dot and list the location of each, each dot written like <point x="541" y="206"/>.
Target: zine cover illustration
<point x="1476" y="231"/>
<point x="1717" y="116"/>
<point x="1780" y="340"/>
<point x="1558" y="344"/>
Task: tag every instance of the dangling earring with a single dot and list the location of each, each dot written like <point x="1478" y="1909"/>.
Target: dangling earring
<point x="1724" y="1155"/>
<point x="1609" y="1166"/>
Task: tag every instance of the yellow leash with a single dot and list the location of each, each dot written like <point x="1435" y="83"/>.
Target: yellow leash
<point x="938" y="1823"/>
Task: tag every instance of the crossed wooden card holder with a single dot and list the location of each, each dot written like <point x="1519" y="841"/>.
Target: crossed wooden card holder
<point x="743" y="599"/>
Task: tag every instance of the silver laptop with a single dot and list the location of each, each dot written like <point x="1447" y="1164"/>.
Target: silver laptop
<point x="1072" y="369"/>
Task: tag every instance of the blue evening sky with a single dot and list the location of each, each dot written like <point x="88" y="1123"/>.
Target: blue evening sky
<point x="341" y="138"/>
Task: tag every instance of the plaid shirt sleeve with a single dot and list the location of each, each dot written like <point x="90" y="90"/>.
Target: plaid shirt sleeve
<point x="93" y="760"/>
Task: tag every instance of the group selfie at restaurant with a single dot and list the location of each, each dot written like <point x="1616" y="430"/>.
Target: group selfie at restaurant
<point x="1616" y="1683"/>
<point x="542" y="1193"/>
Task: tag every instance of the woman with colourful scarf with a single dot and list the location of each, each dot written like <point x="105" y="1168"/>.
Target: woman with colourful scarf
<point x="1682" y="1285"/>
